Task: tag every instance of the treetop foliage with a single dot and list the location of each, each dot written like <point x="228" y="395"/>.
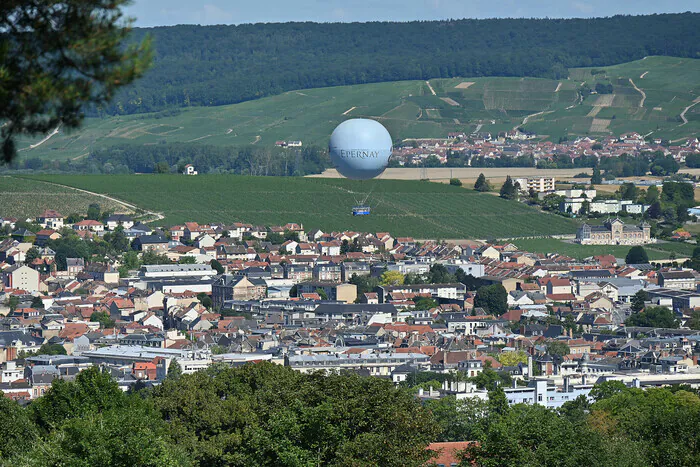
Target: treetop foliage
<point x="269" y="415"/>
<point x="57" y="57"/>
<point x="654" y="317"/>
<point x="637" y="255"/>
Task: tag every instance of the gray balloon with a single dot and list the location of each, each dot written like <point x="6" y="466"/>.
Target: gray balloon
<point x="360" y="148"/>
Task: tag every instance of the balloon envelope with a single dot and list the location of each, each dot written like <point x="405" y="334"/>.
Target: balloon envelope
<point x="360" y="148"/>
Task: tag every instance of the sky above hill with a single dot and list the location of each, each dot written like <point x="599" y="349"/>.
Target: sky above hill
<point x="169" y="12"/>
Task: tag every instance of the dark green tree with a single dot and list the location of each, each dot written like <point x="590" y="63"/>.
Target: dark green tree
<point x="458" y="419"/>
<point x="92" y="391"/>
<point x="117" y="240"/>
<point x="596" y="178"/>
<point x="69" y="246"/>
<point x="558" y="348"/>
<point x="162" y="168"/>
<point x="130" y="261"/>
<point x="694" y="321"/>
<point x="51" y="349"/>
<point x="102" y="317"/>
<point x="629" y="191"/>
<point x="482" y="184"/>
<point x="31" y="255"/>
<point x="322" y="293"/>
<point x="59" y="57"/>
<point x="653" y="317"/>
<point x="132" y="434"/>
<point x="205" y="300"/>
<point x="424" y="303"/>
<point x="266" y="414"/>
<point x="534" y="435"/>
<point x="638" y="300"/>
<point x="637" y="255"/>
<point x="364" y="283"/>
<point x="490" y="379"/>
<point x="152" y="257"/>
<point x="17" y="432"/>
<point x="654" y="211"/>
<point x="12" y="302"/>
<point x="659" y="422"/>
<point x="174" y="370"/>
<point x="607" y="389"/>
<point x="455" y="182"/>
<point x="492" y="298"/>
<point x="217" y="266"/>
<point x="498" y="402"/>
<point x="508" y="190"/>
<point x="439" y="274"/>
<point x="652" y="195"/>
<point x="93" y="212"/>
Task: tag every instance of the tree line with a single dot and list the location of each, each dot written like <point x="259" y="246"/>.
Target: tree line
<point x="172" y="157"/>
<point x="269" y="415"/>
<point x="216" y="65"/>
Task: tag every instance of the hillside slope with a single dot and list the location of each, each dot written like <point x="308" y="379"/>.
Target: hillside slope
<point x="216" y="65"/>
<point x="419" y="209"/>
<point x="554" y="108"/>
<point x="23" y="198"/>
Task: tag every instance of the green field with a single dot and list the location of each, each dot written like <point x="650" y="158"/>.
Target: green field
<point x="409" y="110"/>
<point x="23" y="198"/>
<point x="654" y="251"/>
<point x="409" y="208"/>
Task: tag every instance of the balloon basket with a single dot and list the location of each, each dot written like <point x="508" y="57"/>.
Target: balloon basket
<point x="361" y="211"/>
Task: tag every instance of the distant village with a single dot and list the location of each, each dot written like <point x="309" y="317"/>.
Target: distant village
<point x="517" y="143"/>
<point x="366" y="302"/>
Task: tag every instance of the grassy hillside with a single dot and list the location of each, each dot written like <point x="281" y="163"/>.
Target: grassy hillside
<point x="648" y="96"/>
<point x="410" y="110"/>
<point x="24" y="198"/>
<point x="419" y="209"/>
<point x="218" y="65"/>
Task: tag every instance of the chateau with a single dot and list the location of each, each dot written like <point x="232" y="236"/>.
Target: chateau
<point x="614" y="232"/>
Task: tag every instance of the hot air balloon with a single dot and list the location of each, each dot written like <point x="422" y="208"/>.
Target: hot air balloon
<point x="360" y="150"/>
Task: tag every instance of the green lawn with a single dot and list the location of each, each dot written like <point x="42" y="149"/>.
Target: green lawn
<point x="413" y="208"/>
<point x="551" y="245"/>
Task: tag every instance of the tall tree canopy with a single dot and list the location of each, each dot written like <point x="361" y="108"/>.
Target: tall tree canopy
<point x="637" y="255"/>
<point x="492" y="298"/>
<point x="653" y="317"/>
<point x="482" y="184"/>
<point x="58" y="56"/>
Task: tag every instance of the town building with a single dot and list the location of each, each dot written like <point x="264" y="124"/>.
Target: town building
<point x="538" y="184"/>
<point x="50" y="219"/>
<point x="378" y="364"/>
<point x="684" y="280"/>
<point x="237" y="287"/>
<point x="614" y="232"/>
<point x="21" y="277"/>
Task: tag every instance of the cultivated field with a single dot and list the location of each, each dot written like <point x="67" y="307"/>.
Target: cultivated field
<point x="419" y="209"/>
<point x="23" y="198"/>
<point x="496" y="176"/>
<point x="649" y="96"/>
<point x="552" y="108"/>
<point x="656" y="251"/>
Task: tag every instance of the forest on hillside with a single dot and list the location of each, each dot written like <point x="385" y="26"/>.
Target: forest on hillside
<point x="216" y="65"/>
